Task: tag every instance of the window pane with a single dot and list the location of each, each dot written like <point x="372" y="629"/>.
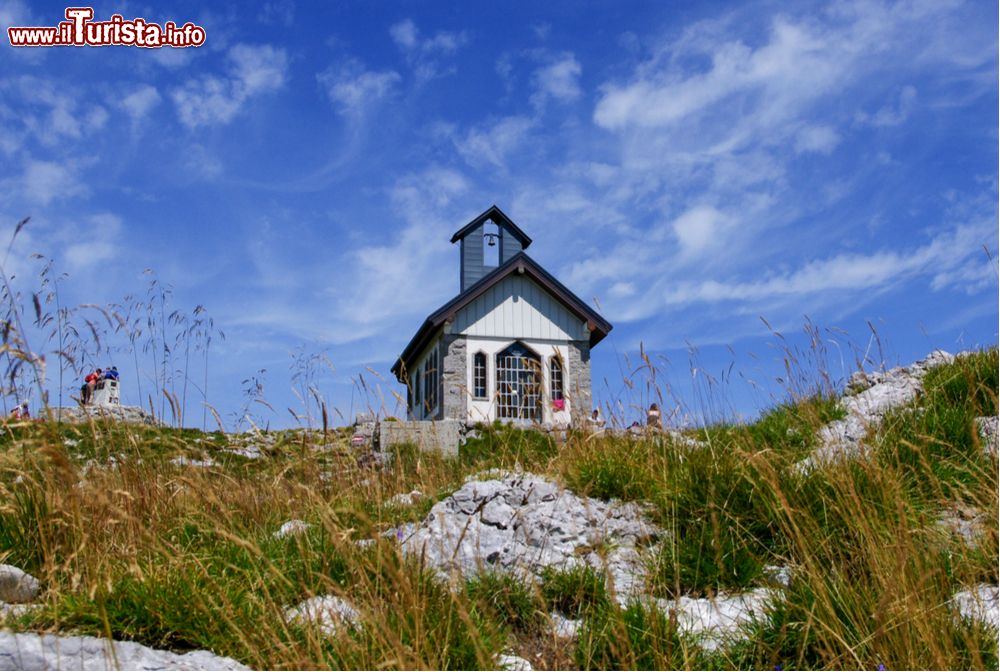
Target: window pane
<point x="556" y="379"/>
<point x="479" y="376"/>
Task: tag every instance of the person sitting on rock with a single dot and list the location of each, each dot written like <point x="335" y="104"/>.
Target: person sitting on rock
<point x="653" y="417"/>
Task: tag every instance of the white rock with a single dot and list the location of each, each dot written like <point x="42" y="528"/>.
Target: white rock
<point x="718" y="620"/>
<point x="865" y="409"/>
<point x="30" y="651"/>
<point x="966" y="522"/>
<point x="506" y="661"/>
<point x="780" y="575"/>
<point x="252" y="452"/>
<point x="566" y="628"/>
<point x="401" y="533"/>
<point x="182" y="461"/>
<point x="980" y="604"/>
<point x="292" y="527"/>
<point x="524" y="523"/>
<point x="16" y="585"/>
<point x="987" y="428"/>
<point x="15" y="610"/>
<point x="328" y="612"/>
<point x="404" y="498"/>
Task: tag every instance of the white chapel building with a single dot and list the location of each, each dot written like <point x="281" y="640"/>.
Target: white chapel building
<point x="513" y="345"/>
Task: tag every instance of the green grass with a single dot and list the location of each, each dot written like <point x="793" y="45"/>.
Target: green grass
<point x="634" y="638"/>
<point x="575" y="592"/>
<point x="182" y="558"/>
<point x="500" y="445"/>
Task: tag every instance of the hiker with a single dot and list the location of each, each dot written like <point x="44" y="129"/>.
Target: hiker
<point x="111" y="374"/>
<point x="653" y="417"/>
<point x="89" y="383"/>
<point x="20" y="412"/>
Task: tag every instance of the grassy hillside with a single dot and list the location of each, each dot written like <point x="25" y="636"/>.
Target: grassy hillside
<point x="132" y="545"/>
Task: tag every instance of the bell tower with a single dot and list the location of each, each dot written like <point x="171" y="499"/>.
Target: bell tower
<point x="488" y="241"/>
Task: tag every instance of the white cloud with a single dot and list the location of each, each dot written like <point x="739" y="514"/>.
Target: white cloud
<point x="491" y="144"/>
<point x="559" y="80"/>
<point x="404" y="34"/>
<point x="403" y="277"/>
<point x="209" y="100"/>
<point x="50" y="110"/>
<point x="140" y="102"/>
<point x="794" y="66"/>
<point x="258" y="68"/>
<point x="700" y="229"/>
<point x="820" y="139"/>
<point x="892" y="115"/>
<point x="424" y="54"/>
<point x="96" y="242"/>
<point x="944" y="260"/>
<point x="46" y="181"/>
<point x="407" y="37"/>
<point x="353" y="89"/>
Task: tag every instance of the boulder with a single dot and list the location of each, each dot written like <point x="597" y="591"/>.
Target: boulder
<point x="987" y="429"/>
<point x="182" y="461"/>
<point x="524" y="523"/>
<point x="563" y="627"/>
<point x="327" y="612"/>
<point x="980" y="604"/>
<point x="871" y="396"/>
<point x="290" y="528"/>
<point x="404" y="498"/>
<point x="16" y="585"/>
<point x="717" y="620"/>
<point x="507" y="661"/>
<point x="30" y="651"/>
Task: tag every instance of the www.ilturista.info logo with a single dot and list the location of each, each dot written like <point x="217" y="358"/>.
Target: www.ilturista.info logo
<point x="79" y="30"/>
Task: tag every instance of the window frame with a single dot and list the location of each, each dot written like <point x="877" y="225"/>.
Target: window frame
<point x="556" y="360"/>
<point x="476" y="357"/>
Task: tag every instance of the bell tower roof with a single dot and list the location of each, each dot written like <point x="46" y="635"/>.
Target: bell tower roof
<point x="503" y="222"/>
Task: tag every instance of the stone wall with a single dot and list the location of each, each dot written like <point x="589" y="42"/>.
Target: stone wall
<point x="580" y="395"/>
<point x="441" y="436"/>
<point x="454" y="377"/>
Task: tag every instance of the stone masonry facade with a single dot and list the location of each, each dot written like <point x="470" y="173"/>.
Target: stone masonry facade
<point x="454" y="388"/>
<point x="580" y="399"/>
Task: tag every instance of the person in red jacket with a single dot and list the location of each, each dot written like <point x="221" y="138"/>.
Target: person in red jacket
<point x="88" y="385"/>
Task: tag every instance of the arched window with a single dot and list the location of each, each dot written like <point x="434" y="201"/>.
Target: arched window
<point x="479" y="375"/>
<point x="432" y="377"/>
<point x="519" y="383"/>
<point x="418" y="408"/>
<point x="556" y="378"/>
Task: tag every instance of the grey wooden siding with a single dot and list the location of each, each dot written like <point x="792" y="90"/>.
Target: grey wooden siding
<point x="518" y="308"/>
<point x="509" y="244"/>
<point x="472" y="258"/>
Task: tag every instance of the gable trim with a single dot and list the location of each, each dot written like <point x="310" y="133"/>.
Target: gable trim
<point x="520" y="263"/>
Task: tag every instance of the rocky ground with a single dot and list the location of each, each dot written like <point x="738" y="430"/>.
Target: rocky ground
<point x="526" y="525"/>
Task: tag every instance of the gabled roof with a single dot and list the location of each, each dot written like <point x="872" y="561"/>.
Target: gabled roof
<point x="497" y="216"/>
<point x="520" y="263"/>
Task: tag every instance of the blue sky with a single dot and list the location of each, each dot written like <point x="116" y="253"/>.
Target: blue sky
<point x="692" y="167"/>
